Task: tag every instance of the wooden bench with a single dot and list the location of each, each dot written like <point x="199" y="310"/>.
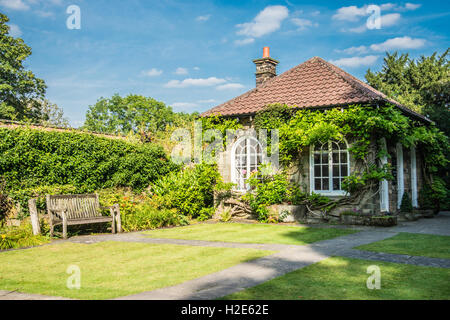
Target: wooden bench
<point x="76" y="209"/>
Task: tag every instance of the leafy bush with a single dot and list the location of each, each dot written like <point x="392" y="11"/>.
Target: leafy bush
<point x="31" y="158"/>
<point x="406" y="205"/>
<point x="145" y="217"/>
<point x="5" y="202"/>
<point x="189" y="191"/>
<point x="19" y="237"/>
<point x="432" y="196"/>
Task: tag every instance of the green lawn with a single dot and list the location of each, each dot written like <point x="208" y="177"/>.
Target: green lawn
<point x="413" y="244"/>
<point x="250" y="233"/>
<point x="345" y="278"/>
<point x="112" y="269"/>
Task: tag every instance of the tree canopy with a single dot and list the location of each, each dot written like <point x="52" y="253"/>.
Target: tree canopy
<point x="20" y="90"/>
<point x="421" y="84"/>
<point x="133" y="113"/>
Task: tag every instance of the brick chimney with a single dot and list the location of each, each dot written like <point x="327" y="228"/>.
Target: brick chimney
<point x="266" y="67"/>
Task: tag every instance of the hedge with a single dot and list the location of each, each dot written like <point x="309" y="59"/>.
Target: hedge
<point x="30" y="158"/>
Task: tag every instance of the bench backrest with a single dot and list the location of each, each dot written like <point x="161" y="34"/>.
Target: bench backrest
<point x="78" y="206"/>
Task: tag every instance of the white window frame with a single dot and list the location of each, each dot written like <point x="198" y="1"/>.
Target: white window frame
<point x="234" y="176"/>
<point x="329" y="192"/>
<point x="414" y="201"/>
<point x="400" y="175"/>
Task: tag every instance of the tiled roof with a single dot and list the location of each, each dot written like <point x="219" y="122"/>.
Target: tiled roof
<point x="314" y="83"/>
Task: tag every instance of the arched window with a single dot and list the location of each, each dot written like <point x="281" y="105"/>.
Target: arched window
<point x="246" y="157"/>
<point x="329" y="165"/>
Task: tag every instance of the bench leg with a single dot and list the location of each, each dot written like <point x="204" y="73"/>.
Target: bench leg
<point x="52" y="228"/>
<point x="113" y="224"/>
<point x="117" y="218"/>
<point x="64" y="229"/>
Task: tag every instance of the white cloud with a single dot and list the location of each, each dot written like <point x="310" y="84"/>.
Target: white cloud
<point x="303" y="24"/>
<point x="189" y="82"/>
<point x="152" y="72"/>
<point x="387" y="20"/>
<point x="387" y="6"/>
<point x="184" y="105"/>
<point x="14" y="4"/>
<point x="196" y="68"/>
<point x="14" y="31"/>
<point x="360" y="29"/>
<point x="44" y="14"/>
<point x="354" y="50"/>
<point x="230" y="86"/>
<point x="267" y="21"/>
<point x="243" y="42"/>
<point x="181" y="71"/>
<point x="398" y="43"/>
<point x="203" y="18"/>
<point x="412" y="6"/>
<point x="354" y="62"/>
<point x="315" y="13"/>
<point x="390" y="19"/>
<point x="351" y="13"/>
<point x="207" y="101"/>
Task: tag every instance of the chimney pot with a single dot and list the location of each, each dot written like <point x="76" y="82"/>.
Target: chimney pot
<point x="266" y="52"/>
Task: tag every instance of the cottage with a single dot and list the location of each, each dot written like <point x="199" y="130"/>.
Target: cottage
<point x="318" y="84"/>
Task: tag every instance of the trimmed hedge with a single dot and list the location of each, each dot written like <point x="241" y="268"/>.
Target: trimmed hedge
<point x="31" y="158"/>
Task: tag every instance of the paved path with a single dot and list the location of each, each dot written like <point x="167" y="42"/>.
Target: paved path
<point x="287" y="258"/>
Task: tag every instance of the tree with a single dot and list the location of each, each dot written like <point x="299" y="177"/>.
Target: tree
<point x="20" y="90"/>
<point x="422" y="84"/>
<point x="133" y="113"/>
<point x="52" y="115"/>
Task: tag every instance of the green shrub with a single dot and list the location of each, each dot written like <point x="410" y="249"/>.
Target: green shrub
<point x="432" y="196"/>
<point x="190" y="190"/>
<point x="406" y="205"/>
<point x="5" y="202"/>
<point x="146" y="217"/>
<point x="20" y="237"/>
<point x="31" y="158"/>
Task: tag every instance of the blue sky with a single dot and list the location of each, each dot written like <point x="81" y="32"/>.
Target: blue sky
<point x="195" y="55"/>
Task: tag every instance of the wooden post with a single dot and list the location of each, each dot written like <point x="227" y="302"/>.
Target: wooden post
<point x="34" y="217"/>
<point x="118" y="218"/>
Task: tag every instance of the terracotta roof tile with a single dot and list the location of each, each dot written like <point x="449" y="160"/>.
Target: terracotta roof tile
<point x="314" y="83"/>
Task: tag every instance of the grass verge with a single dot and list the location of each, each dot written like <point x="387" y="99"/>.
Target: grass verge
<point x="112" y="269"/>
<point x="413" y="244"/>
<point x="250" y="233"/>
<point x="340" y="278"/>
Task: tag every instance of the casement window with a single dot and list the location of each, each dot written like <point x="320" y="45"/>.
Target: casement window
<point x="247" y="156"/>
<point x="329" y="165"/>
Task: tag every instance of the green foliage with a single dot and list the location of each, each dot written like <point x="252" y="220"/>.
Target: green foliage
<point x="406" y="205"/>
<point x="421" y="84"/>
<point x="434" y="195"/>
<point x="145" y="217"/>
<point x="133" y="113"/>
<point x="269" y="188"/>
<point x="356" y="180"/>
<point x="5" y="202"/>
<point x="139" y="211"/>
<point x="20" y="237"/>
<point x="189" y="191"/>
<point x="31" y="158"/>
<point x="20" y="90"/>
<point x="273" y="116"/>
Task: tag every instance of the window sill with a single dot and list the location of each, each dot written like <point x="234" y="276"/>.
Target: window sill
<point x="331" y="193"/>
